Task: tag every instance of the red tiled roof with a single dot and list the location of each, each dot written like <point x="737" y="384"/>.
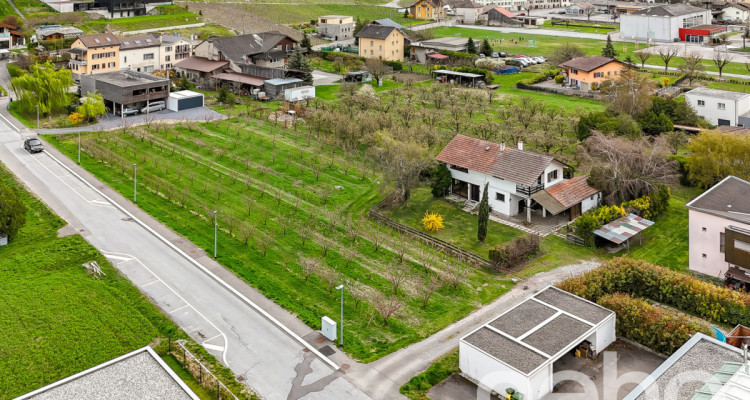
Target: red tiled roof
<point x="505" y="12"/>
<point x="572" y="191"/>
<point x="588" y="64"/>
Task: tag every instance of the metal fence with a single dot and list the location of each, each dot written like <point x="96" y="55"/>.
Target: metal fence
<point x="200" y="372"/>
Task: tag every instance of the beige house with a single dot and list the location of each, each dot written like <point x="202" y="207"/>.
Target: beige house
<point x="94" y="54"/>
<point x="382" y="42"/>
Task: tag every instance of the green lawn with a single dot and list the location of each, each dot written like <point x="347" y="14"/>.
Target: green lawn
<point x="174" y="16"/>
<point x="728" y="86"/>
<point x="460" y="226"/>
<point x="440" y="370"/>
<point x="575" y="105"/>
<point x="185" y="170"/>
<point x="29" y="7"/>
<point x="296" y="14"/>
<point x="55" y="318"/>
<point x="601" y="29"/>
<point x="186" y="377"/>
<point x="6" y="9"/>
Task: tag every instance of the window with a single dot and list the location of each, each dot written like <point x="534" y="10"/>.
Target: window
<point x="380" y="48"/>
<point x="95" y="66"/>
<point x="104" y="65"/>
<point x="722" y="106"/>
<point x="168" y="48"/>
<point x="740" y="245"/>
<point x="111" y="65"/>
<point x="704" y="255"/>
<point x="126" y="59"/>
<point x="167" y="58"/>
<point x="95" y="56"/>
<point x="457" y="168"/>
<point x="372" y="52"/>
<point x="551" y="176"/>
<point x="703" y="229"/>
<point x="598" y="74"/>
<point x="722" y="243"/>
<point x="701" y="103"/>
<point x="372" y="43"/>
<point x="148" y="56"/>
<point x="575" y="72"/>
<point x="500" y="197"/>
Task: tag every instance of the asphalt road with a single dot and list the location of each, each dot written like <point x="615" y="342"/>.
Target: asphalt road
<point x="272" y="361"/>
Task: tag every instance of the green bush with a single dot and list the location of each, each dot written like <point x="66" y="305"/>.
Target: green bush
<point x="441" y="180"/>
<point x="396" y="65"/>
<point x="418" y="386"/>
<point x="540" y="77"/>
<point x="585" y="226"/>
<point x="15" y="71"/>
<point x="559" y="79"/>
<point x="12" y="212"/>
<point x="659" y="329"/>
<point x="642" y="279"/>
<point x="515" y="252"/>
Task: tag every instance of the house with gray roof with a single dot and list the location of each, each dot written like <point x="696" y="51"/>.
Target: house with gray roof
<point x="662" y="23"/>
<point x="519" y="348"/>
<point x="720" y="107"/>
<point x="719" y="231"/>
<point x="265" y="50"/>
<point x="519" y="181"/>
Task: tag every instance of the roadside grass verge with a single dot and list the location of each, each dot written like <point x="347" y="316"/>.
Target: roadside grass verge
<point x="440" y="370"/>
<point x="188" y="170"/>
<point x="57" y="319"/>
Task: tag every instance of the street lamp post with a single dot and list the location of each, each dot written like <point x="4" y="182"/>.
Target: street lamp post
<point x="79" y="148"/>
<point x="37" y="116"/>
<point x="135" y="183"/>
<point x="341" y="338"/>
<point x="215" y="231"/>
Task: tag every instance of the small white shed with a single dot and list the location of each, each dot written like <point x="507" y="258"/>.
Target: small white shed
<point x="184" y="99"/>
<point x="299" y="93"/>
<point x="518" y="349"/>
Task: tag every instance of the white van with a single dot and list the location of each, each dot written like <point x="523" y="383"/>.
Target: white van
<point x="153" y="107"/>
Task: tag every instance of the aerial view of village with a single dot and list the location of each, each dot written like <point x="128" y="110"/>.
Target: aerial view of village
<point x="374" y="199"/>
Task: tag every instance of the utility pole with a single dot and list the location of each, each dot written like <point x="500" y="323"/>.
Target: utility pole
<point x="135" y="183"/>
<point x="37" y="117"/>
<point x="341" y="338"/>
<point x="215" y="231"/>
<point x="79" y="148"/>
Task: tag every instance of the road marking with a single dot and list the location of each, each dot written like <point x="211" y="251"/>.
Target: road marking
<point x="208" y="340"/>
<point x="152" y="282"/>
<point x="95" y="202"/>
<point x="10" y="123"/>
<point x="180" y="308"/>
<point x="226" y="340"/>
<point x="110" y="256"/>
<point x="213" y="347"/>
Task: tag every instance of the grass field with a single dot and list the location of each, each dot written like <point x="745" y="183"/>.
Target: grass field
<point x="585" y="27"/>
<point x="294" y="14"/>
<point x="29" y="7"/>
<point x="55" y="318"/>
<point x="141" y="22"/>
<point x="236" y="165"/>
<point x="6" y="9"/>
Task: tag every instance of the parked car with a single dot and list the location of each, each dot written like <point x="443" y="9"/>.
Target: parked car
<point x="502" y="54"/>
<point x="129" y="111"/>
<point x="495" y="55"/>
<point x="481" y="55"/>
<point x="33" y="145"/>
<point x="539" y="60"/>
<point x="542" y="58"/>
<point x="153" y="107"/>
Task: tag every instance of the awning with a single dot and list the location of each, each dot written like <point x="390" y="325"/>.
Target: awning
<point x="437" y="56"/>
<point x="738" y="274"/>
<point x="200" y="64"/>
<point x="623" y="228"/>
<point x="240" y="78"/>
<point x="548" y="202"/>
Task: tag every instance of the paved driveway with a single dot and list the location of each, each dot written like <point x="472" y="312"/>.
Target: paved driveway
<point x="110" y="122"/>
<point x="324" y="78"/>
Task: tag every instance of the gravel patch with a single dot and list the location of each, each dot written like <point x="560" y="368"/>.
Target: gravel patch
<point x="573" y="305"/>
<point x="506" y="350"/>
<point x="557" y="334"/>
<point x="138" y="377"/>
<point x="524" y="317"/>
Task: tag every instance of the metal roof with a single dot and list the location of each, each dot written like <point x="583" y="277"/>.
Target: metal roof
<point x="623" y="228"/>
<point x="282" y="81"/>
<point x="456" y="73"/>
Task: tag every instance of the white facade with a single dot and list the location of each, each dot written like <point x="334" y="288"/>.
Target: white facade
<point x="510" y="5"/>
<point x="145" y="59"/>
<point x="732" y="13"/>
<point x="719" y="107"/>
<point x="173" y="52"/>
<point x="591" y="202"/>
<point x="659" y="28"/>
<point x="705" y="234"/>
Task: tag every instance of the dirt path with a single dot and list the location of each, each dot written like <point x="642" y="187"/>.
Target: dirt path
<point x="12" y="4"/>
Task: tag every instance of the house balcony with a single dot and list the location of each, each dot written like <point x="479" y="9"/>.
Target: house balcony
<point x="527" y="191"/>
<point x="4" y="34"/>
<point x="78" y="62"/>
<point x="148" y="96"/>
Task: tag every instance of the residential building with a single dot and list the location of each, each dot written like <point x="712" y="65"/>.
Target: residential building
<point x="736" y="12"/>
<point x="11" y="37"/>
<point x="140" y="374"/>
<point x="501" y="16"/>
<point x="200" y="68"/>
<point x="382" y="42"/>
<point x="702" y="368"/>
<point x="94" y="54"/>
<point x="140" y="53"/>
<point x="719" y="229"/>
<point x="512" y="5"/>
<point x="125" y="88"/>
<point x="426" y="49"/>
<point x="57" y="32"/>
<point x="515" y="178"/>
<point x="106" y="8"/>
<point x="701" y="33"/>
<point x="173" y="49"/>
<point x="720" y="107"/>
<point x="662" y="23"/>
<point x="466" y="11"/>
<point x="582" y="72"/>
<point x="545" y="4"/>
<point x="516" y="349"/>
<point x="336" y="27"/>
<point x="267" y="50"/>
<point x="428" y="10"/>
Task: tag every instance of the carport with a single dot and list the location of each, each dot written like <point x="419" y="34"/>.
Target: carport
<point x="461" y="78"/>
<point x="518" y="349"/>
<point x="622" y="229"/>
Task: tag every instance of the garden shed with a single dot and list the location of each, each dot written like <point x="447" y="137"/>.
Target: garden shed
<point x="519" y="348"/>
<point x="275" y="88"/>
<point x="622" y="229"/>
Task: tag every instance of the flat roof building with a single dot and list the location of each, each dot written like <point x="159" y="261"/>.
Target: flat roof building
<point x="125" y="88"/>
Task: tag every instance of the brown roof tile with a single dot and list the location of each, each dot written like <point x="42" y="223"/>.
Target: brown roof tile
<point x="99" y="40"/>
<point x="588" y="64"/>
<point x="572" y="191"/>
<point x="201" y="64"/>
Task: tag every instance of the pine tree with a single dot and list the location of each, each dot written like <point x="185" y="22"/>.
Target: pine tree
<point x="299" y="62"/>
<point x="471" y="47"/>
<point x="485" y="48"/>
<point x="305" y="43"/>
<point x="484" y="214"/>
<point x="609" y="49"/>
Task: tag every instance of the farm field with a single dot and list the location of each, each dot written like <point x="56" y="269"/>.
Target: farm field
<point x="57" y="319"/>
<point x="173" y="18"/>
<point x="294" y="14"/>
<point x="287" y="199"/>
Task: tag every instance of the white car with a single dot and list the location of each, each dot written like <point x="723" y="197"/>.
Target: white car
<point x="154" y="106"/>
<point x="541" y="59"/>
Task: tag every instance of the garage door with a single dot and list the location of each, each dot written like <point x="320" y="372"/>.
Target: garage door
<point x="724" y="122"/>
<point x="190" y="102"/>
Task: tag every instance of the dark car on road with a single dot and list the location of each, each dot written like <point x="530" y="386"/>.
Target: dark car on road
<point x="33" y="145"/>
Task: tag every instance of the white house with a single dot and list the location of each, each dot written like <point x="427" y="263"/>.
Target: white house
<point x="719" y="221"/>
<point x="173" y="49"/>
<point x="512" y="5"/>
<point x="519" y="348"/>
<point x="720" y="107"/>
<point x="662" y="23"/>
<point x="518" y="180"/>
<point x="736" y="12"/>
<point x="140" y="53"/>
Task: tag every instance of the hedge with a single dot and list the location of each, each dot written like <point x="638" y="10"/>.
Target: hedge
<point x="540" y="77"/>
<point x="510" y="254"/>
<point x="642" y="279"/>
<point x="659" y="329"/>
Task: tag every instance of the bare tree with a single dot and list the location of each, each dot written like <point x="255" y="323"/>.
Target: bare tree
<point x="329" y="275"/>
<point x="353" y="226"/>
<point x="304" y="231"/>
<point x="692" y="67"/>
<point x="396" y="274"/>
<point x="357" y="292"/>
<point x="643" y="56"/>
<point x="309" y="266"/>
<point x="427" y="288"/>
<point x="386" y="306"/>
<point x="263" y="242"/>
<point x="589" y="10"/>
<point x="426" y="258"/>
<point x="526" y="111"/>
<point x="400" y="247"/>
<point x="666" y="53"/>
<point x="349" y="253"/>
<point x="721" y="59"/>
<point x="402" y="162"/>
<point x="376" y="68"/>
<point x="631" y="94"/>
<point x="377" y="236"/>
<point x="455" y="274"/>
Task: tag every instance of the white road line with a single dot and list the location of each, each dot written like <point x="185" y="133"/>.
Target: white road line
<point x="205" y="270"/>
<point x="10" y="123"/>
<point x="150" y="283"/>
<point x="208" y="340"/>
<point x="117" y="257"/>
<point x="71" y="187"/>
<point x="213" y="347"/>
<point x="180" y="308"/>
<point x="226" y="340"/>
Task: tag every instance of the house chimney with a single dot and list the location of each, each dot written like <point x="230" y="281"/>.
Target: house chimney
<point x="502" y="146"/>
<point x="520" y="144"/>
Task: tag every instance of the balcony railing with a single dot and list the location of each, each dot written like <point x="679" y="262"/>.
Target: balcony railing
<point x="149" y="96"/>
<point x="528" y="190"/>
<point x="78" y="62"/>
<point x="4" y="34"/>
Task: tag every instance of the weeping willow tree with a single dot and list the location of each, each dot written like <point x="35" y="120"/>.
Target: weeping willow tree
<point x="92" y="106"/>
<point x="43" y="86"/>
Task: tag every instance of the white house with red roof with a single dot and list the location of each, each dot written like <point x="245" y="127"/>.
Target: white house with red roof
<point x="519" y="180"/>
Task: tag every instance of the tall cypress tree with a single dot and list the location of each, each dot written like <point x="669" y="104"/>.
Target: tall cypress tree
<point x="609" y="49"/>
<point x="471" y="47"/>
<point x="485" y="48"/>
<point x="484" y="214"/>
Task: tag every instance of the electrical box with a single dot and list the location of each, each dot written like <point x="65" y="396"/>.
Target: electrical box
<point x="328" y="328"/>
<point x="4" y="241"/>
